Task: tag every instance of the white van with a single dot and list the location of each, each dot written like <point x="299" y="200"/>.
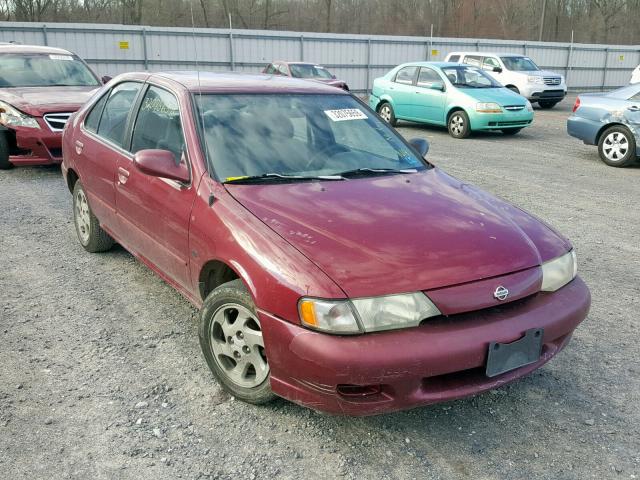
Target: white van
<point x="518" y="73"/>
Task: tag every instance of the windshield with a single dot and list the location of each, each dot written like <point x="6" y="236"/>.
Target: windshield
<point x="465" y="76"/>
<point x="299" y="70"/>
<point x="519" y="64"/>
<point x="43" y="70"/>
<point x="302" y="135"/>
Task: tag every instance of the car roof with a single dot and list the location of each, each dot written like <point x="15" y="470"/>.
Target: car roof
<point x="17" y="48"/>
<point x="430" y="64"/>
<point x="235" y="82"/>
<point x="488" y="54"/>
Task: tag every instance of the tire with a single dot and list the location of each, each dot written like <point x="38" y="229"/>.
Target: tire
<point x="90" y="234"/>
<point x="385" y="110"/>
<point x="231" y="342"/>
<point x="5" y="164"/>
<point x="617" y="146"/>
<point x="547" y="104"/>
<point x="458" y="124"/>
<point x="510" y="131"/>
<point x="514" y="89"/>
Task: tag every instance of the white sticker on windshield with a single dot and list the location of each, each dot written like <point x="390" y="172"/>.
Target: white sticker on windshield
<point x="345" y="114"/>
<point x="60" y="57"/>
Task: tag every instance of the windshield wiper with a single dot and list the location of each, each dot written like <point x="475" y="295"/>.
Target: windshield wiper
<point x="266" y="177"/>
<point x="375" y="171"/>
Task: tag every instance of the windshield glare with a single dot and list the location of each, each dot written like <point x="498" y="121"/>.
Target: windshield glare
<point x="469" y="77"/>
<point x="519" y="64"/>
<point x="309" y="71"/>
<point x="303" y="135"/>
<point x="43" y="70"/>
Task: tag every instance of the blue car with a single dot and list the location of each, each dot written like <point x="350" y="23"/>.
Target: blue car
<point x="462" y="98"/>
<point x="611" y="121"/>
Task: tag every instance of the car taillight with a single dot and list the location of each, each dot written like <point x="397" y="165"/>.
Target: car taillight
<point x="576" y="105"/>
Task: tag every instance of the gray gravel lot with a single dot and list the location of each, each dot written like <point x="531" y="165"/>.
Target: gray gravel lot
<point x="101" y="374"/>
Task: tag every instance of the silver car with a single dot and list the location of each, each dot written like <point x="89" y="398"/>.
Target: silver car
<point x="611" y="121"/>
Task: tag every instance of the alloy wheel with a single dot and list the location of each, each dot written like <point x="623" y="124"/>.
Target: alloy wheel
<point x="456" y="124"/>
<point x="385" y="113"/>
<point x="237" y="345"/>
<point x="82" y="216"/>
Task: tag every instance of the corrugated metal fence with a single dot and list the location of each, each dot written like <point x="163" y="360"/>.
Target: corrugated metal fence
<point x="358" y="59"/>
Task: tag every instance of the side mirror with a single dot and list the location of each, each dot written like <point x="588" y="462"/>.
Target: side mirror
<point x="421" y="145"/>
<point x="437" y="86"/>
<point x="161" y="163"/>
<point x="333" y="76"/>
<point x="497" y="69"/>
<point x="106" y="79"/>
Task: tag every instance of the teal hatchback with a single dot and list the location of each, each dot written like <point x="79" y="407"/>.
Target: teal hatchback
<point x="461" y="97"/>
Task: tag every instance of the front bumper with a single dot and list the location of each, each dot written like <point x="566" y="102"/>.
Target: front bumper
<point x="444" y="359"/>
<point x="536" y="92"/>
<point x="496" y="121"/>
<point x="34" y="146"/>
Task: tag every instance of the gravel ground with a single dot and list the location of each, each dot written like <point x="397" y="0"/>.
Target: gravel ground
<point x="101" y="374"/>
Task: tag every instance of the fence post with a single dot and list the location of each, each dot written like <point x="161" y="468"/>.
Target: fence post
<point x="231" y="59"/>
<point x="302" y="48"/>
<point x="524" y="48"/>
<point x="44" y="34"/>
<point x="604" y="71"/>
<point x="568" y="69"/>
<point x="144" y="49"/>
<point x="368" y="65"/>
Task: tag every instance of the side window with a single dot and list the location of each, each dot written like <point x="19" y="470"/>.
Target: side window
<point x="490" y="63"/>
<point x="428" y="77"/>
<point x="474" y="60"/>
<point x="92" y="120"/>
<point x="158" y="124"/>
<point x="116" y="111"/>
<point x="454" y="58"/>
<point x="406" y="75"/>
<point x="283" y="70"/>
<point x="270" y="69"/>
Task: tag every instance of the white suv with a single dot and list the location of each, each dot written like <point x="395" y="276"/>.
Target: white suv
<point x="517" y="73"/>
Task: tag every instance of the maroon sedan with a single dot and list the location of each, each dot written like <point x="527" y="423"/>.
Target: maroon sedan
<point x="304" y="70"/>
<point x="333" y="265"/>
<point x="40" y="88"/>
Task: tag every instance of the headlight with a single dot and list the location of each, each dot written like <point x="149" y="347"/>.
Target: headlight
<point x="528" y="106"/>
<point x="366" y="314"/>
<point x="11" y="117"/>
<point x="489" y="107"/>
<point x="558" y="272"/>
<point x="535" y="79"/>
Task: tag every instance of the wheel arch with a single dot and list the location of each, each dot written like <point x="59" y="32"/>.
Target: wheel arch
<point x="72" y="178"/>
<point x="605" y="127"/>
<point x="385" y="99"/>
<point x="455" y="108"/>
<point x="215" y="273"/>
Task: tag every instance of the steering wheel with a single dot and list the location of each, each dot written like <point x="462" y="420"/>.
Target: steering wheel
<point x="328" y="151"/>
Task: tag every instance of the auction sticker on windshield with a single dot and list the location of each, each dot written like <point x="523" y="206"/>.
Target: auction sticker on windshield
<point x="345" y="114"/>
<point x="60" y="57"/>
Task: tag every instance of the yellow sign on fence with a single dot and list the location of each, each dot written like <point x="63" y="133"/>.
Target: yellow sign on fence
<point x="621" y="58"/>
<point x="435" y="53"/>
<point x="124" y="45"/>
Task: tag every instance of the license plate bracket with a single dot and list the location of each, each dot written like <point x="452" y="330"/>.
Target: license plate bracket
<point x="504" y="357"/>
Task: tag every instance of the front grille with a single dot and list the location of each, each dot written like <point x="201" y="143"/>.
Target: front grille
<point x="513" y="108"/>
<point x="552" y="80"/>
<point x="57" y="121"/>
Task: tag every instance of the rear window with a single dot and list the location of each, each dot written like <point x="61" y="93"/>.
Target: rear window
<point x="454" y="58"/>
<point x="406" y="75"/>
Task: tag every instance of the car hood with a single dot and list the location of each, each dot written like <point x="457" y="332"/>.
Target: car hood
<point x="501" y="96"/>
<point x="402" y="233"/>
<point x="37" y="101"/>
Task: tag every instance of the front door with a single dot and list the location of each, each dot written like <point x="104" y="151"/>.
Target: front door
<point x="157" y="209"/>
<point x="430" y="98"/>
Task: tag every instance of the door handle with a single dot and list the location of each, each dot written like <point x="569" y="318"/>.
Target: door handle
<point x="123" y="175"/>
<point x="79" y="147"/>
<point x="634" y="108"/>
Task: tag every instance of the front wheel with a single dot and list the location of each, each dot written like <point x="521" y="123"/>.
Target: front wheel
<point x="617" y="147"/>
<point x="385" y="110"/>
<point x="546" y="104"/>
<point x="458" y="124"/>
<point x="91" y="235"/>
<point x="510" y="131"/>
<point x="5" y="164"/>
<point x="232" y="343"/>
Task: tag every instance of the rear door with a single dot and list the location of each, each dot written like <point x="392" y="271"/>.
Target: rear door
<point x="100" y="146"/>
<point x="157" y="210"/>
<point x="429" y="102"/>
<point x="402" y="91"/>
